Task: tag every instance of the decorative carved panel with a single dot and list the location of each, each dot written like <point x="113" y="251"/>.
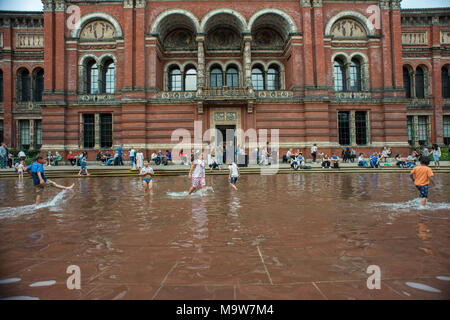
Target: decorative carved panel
<point x="223" y="38"/>
<point x="180" y="39"/>
<point x="30" y="40"/>
<point x="445" y="36"/>
<point x="219" y="116"/>
<point x="231" y="116"/>
<point x="267" y="39"/>
<point x="1" y="39"/>
<point x="98" y="30"/>
<point x="415" y="38"/>
<point x="348" y="28"/>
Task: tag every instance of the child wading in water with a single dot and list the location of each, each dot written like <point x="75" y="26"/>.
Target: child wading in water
<point x="40" y="181"/>
<point x="20" y="169"/>
<point x="147" y="176"/>
<point x="83" y="163"/>
<point x="423" y="177"/>
<point x="197" y="173"/>
<point x="234" y="175"/>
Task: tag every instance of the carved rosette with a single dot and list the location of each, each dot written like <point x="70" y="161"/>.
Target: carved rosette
<point x="48" y="5"/>
<point x="60" y="5"/>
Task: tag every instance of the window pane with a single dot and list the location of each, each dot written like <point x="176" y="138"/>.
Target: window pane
<point x="37" y="134"/>
<point x="1" y="85"/>
<point x="216" y="78"/>
<point x="232" y="77"/>
<point x="407" y="82"/>
<point x="257" y="79"/>
<point x="39" y="85"/>
<point x="110" y="78"/>
<point x="447" y="130"/>
<point x="361" y="127"/>
<point x="26" y="86"/>
<point x="339" y="77"/>
<point x="273" y="79"/>
<point x="355" y="76"/>
<point x="1" y="131"/>
<point x="92" y="79"/>
<point x="24" y="133"/>
<point x="423" y="130"/>
<point x="344" y="127"/>
<point x="410" y="121"/>
<point x="175" y="80"/>
<point x="420" y="85"/>
<point x="190" y="80"/>
<point x="445" y="83"/>
<point x="106" y="130"/>
<point x="88" y="130"/>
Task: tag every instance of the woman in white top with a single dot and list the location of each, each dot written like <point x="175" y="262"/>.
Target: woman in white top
<point x="139" y="160"/>
<point x="436" y="151"/>
<point x="197" y="173"/>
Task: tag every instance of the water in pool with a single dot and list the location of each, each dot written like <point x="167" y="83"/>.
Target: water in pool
<point x="288" y="236"/>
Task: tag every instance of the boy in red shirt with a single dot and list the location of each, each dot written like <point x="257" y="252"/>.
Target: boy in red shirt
<point x="423" y="177"/>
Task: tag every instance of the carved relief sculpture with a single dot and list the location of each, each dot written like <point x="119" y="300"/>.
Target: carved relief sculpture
<point x="348" y="28"/>
<point x="98" y="30"/>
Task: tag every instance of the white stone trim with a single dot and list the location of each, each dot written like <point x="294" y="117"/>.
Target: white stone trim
<point x="93" y="16"/>
<point x="155" y="26"/>
<point x="281" y="13"/>
<point x="232" y="12"/>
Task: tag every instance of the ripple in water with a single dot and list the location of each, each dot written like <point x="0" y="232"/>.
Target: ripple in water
<point x="413" y="205"/>
<point x="9" y="280"/>
<point x="197" y="194"/>
<point x="423" y="287"/>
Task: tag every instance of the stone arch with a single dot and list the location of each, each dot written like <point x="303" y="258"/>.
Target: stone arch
<point x="185" y="17"/>
<point x="259" y="62"/>
<point x="93" y="16"/>
<point x="105" y="56"/>
<point x="190" y="63"/>
<point x="367" y="24"/>
<point x="281" y="70"/>
<point x="341" y="55"/>
<point x="237" y="17"/>
<point x="285" y="21"/>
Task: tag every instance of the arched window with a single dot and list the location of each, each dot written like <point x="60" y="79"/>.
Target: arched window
<point x="24" y="85"/>
<point x="273" y="78"/>
<point x="175" y="79"/>
<point x="339" y="75"/>
<point x="92" y="77"/>
<point x="109" y="77"/>
<point x="355" y="75"/>
<point x="38" y="85"/>
<point x="420" y="83"/>
<point x="216" y="77"/>
<point x="232" y="75"/>
<point x="445" y="82"/>
<point x="407" y="82"/>
<point x="1" y="86"/>
<point x="190" y="79"/>
<point x="257" y="78"/>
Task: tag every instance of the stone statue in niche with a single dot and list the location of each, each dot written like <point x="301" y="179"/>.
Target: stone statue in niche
<point x="180" y="39"/>
<point x="223" y="38"/>
<point x="445" y="37"/>
<point x="348" y="28"/>
<point x="98" y="30"/>
<point x="267" y="38"/>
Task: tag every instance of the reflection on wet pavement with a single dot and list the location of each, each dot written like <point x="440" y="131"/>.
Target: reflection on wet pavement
<point x="279" y="237"/>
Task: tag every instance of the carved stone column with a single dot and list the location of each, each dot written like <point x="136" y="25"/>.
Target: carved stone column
<point x="32" y="145"/>
<point x="97" y="131"/>
<point x="352" y="129"/>
<point x="248" y="62"/>
<point x="416" y="131"/>
<point x="201" y="76"/>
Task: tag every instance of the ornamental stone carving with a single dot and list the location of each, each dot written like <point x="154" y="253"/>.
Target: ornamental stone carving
<point x="348" y="28"/>
<point x="223" y="38"/>
<point x="181" y="39"/>
<point x="415" y="38"/>
<point x="268" y="39"/>
<point x="98" y="30"/>
<point x="445" y="37"/>
<point x="30" y="40"/>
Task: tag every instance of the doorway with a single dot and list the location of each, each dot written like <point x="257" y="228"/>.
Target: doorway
<point x="229" y="142"/>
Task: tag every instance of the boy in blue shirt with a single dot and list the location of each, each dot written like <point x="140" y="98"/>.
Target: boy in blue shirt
<point x="39" y="180"/>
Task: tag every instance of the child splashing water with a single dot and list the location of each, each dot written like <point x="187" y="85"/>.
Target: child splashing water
<point x="233" y="175"/>
<point x="40" y="181"/>
<point x="147" y="176"/>
<point x="197" y="173"/>
<point x="423" y="176"/>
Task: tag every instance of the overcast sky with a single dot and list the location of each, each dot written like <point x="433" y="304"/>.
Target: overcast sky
<point x="36" y="5"/>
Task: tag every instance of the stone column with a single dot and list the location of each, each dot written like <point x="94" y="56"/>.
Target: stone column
<point x="416" y="131"/>
<point x="32" y="145"/>
<point x="352" y="128"/>
<point x="97" y="131"/>
<point x="248" y="63"/>
<point x="201" y="76"/>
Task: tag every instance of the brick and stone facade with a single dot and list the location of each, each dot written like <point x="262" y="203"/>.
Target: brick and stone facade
<point x="332" y="72"/>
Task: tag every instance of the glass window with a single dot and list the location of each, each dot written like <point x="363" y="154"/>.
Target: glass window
<point x="447" y="130"/>
<point x="344" y="127"/>
<point x="339" y="76"/>
<point x="273" y="79"/>
<point x="257" y="79"/>
<point x="361" y="127"/>
<point x="232" y="77"/>
<point x="423" y="130"/>
<point x="355" y="75"/>
<point x="445" y="83"/>
<point x="88" y="130"/>
<point x="37" y="134"/>
<point x="407" y="82"/>
<point x="1" y="86"/>
<point x="106" y="130"/>
<point x="1" y="131"/>
<point x="190" y="80"/>
<point x="24" y="131"/>
<point x="175" y="79"/>
<point x="420" y="83"/>
<point x="38" y="85"/>
<point x="216" y="78"/>
<point x="25" y="86"/>
<point x="92" y="78"/>
<point x="109" y="77"/>
<point x="410" y="123"/>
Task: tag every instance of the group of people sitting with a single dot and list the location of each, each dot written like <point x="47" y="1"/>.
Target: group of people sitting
<point x="160" y="158"/>
<point x="52" y="160"/>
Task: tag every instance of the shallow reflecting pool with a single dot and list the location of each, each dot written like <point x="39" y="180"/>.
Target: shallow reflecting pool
<point x="290" y="236"/>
